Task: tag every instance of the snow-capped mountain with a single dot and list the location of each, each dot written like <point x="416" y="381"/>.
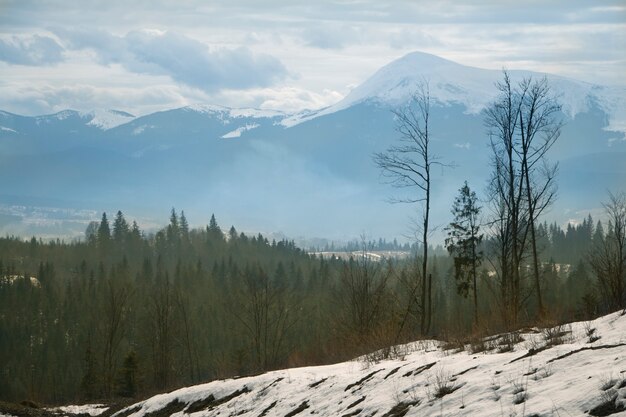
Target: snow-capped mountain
<point x="307" y="173"/>
<point x="107" y="119"/>
<point x="474" y="88"/>
<point x="571" y="370"/>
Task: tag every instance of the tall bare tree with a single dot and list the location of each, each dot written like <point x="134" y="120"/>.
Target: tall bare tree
<point x="409" y="165"/>
<point x="540" y="127"/>
<point x="115" y="303"/>
<point x="523" y="125"/>
<point x="608" y="257"/>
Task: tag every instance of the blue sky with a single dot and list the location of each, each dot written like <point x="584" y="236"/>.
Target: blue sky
<point x="143" y="56"/>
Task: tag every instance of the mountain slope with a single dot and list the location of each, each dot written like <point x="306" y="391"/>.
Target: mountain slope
<point x="573" y="370"/>
<point x="309" y="174"/>
<point x="453" y="83"/>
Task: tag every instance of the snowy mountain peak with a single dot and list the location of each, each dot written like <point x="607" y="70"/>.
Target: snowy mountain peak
<point x="234" y="112"/>
<point x="447" y="81"/>
<point x="474" y="88"/>
<point x="107" y="119"/>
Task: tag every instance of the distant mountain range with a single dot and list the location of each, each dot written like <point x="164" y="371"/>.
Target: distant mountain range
<point x="308" y="174"/>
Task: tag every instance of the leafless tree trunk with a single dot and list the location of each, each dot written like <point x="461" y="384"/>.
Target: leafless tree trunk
<point x="267" y="311"/>
<point x="115" y="304"/>
<point x="162" y="308"/>
<point x="363" y="289"/>
<point x="523" y="126"/>
<point x="502" y="120"/>
<point x="408" y="165"/>
<point x="182" y="304"/>
<point x="539" y="130"/>
<point x="608" y="258"/>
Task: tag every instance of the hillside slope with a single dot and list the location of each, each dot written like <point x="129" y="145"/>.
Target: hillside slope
<point x="571" y="370"/>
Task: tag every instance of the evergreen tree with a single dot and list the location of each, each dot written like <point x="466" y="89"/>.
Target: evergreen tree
<point x="214" y="231"/>
<point x="120" y="228"/>
<point x="89" y="382"/>
<point x="173" y="230"/>
<point x="184" y="227"/>
<point x="462" y="242"/>
<point x="104" y="233"/>
<point x="232" y="234"/>
<point x="128" y="376"/>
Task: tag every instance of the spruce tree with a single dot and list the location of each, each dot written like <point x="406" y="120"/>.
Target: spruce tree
<point x="104" y="233"/>
<point x="120" y="228"/>
<point x="463" y="240"/>
<point x="128" y="375"/>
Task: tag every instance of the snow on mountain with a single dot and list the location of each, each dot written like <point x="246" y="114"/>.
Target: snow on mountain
<point x="474" y="88"/>
<point x="108" y="119"/>
<point x="237" y="132"/>
<point x="568" y="370"/>
<point x="7" y="129"/>
<point x="62" y="115"/>
<point x="234" y="112"/>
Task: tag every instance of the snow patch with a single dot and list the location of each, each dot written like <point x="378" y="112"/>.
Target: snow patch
<point x="303" y="116"/>
<point x="91" y="409"/>
<point x="140" y="129"/>
<point x="6" y="129"/>
<point x="234" y="112"/>
<point x="557" y="371"/>
<point x="237" y="132"/>
<point x="65" y="114"/>
<point x="108" y="119"/>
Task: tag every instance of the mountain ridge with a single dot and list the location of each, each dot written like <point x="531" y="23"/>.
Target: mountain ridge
<point x="396" y="82"/>
<point x="270" y="170"/>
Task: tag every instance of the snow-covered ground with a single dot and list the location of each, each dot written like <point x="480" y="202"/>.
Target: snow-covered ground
<point x="570" y="370"/>
<point x="91" y="409"/>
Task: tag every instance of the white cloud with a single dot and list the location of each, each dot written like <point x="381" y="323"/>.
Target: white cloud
<point x="242" y="52"/>
<point x="185" y="60"/>
<point x="33" y="50"/>
<point x="288" y="99"/>
<point x="47" y="98"/>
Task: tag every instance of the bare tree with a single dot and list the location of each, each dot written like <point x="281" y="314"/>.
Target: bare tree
<point x="162" y="311"/>
<point x="267" y="309"/>
<point x="608" y="257"/>
<point x="523" y="125"/>
<point x="115" y="303"/>
<point x="539" y="130"/>
<point x="506" y="193"/>
<point x="409" y="165"/>
<point x="362" y="296"/>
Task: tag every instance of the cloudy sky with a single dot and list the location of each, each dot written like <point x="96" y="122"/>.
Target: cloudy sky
<point x="146" y="55"/>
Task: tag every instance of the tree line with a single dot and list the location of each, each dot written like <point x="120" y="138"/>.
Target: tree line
<point x="123" y="313"/>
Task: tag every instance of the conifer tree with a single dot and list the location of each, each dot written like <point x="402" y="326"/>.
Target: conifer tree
<point x="463" y="240"/>
<point x="120" y="228"/>
<point x="214" y="230"/>
<point x="184" y="227"/>
<point x="104" y="233"/>
<point x="128" y="375"/>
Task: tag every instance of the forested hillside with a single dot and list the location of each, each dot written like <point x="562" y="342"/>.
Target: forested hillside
<point x="122" y="313"/>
